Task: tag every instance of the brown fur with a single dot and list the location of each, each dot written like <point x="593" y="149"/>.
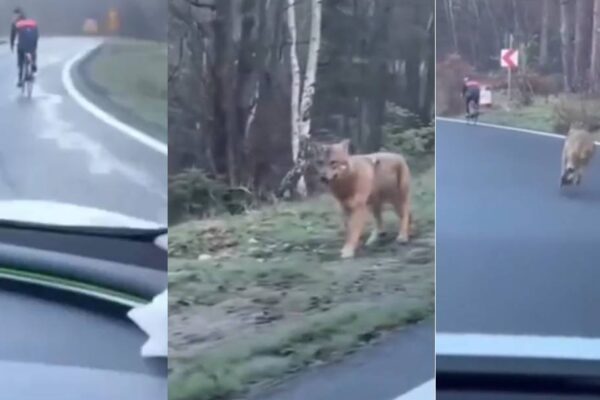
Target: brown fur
<point x="363" y="184"/>
<point x="578" y="151"/>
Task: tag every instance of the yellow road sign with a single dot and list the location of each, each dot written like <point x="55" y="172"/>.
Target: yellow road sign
<point x="114" y="23"/>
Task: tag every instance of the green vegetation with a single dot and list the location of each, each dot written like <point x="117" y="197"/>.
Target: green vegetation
<point x="538" y="116"/>
<point x="547" y="115"/>
<point x="133" y="74"/>
<point x="259" y="296"/>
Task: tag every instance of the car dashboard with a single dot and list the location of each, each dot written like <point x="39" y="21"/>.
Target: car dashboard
<point x="65" y="295"/>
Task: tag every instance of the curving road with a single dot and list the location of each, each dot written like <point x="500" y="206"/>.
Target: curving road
<point x="54" y="149"/>
<point x="515" y="256"/>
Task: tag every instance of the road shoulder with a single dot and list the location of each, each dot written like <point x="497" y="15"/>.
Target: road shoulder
<point x="396" y="365"/>
<point x="99" y="76"/>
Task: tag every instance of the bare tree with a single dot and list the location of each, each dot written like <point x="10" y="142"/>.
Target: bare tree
<point x="543" y="60"/>
<point x="583" y="41"/>
<point x="595" y="62"/>
<point x="450" y="11"/>
<point x="566" y="35"/>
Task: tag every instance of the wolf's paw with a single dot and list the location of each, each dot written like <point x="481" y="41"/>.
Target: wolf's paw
<point x="402" y="238"/>
<point x="373" y="238"/>
<point x="347" y="252"/>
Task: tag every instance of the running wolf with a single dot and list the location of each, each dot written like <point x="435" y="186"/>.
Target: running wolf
<point x="578" y="151"/>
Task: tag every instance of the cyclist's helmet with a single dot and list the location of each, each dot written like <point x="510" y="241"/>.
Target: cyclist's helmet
<point x="19" y="13"/>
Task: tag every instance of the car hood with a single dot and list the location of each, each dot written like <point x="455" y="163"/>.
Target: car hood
<point x="64" y="214"/>
<point x="74" y="383"/>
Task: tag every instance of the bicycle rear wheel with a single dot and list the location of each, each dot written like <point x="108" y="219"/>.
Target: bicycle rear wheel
<point x="473" y="111"/>
<point x="27" y="88"/>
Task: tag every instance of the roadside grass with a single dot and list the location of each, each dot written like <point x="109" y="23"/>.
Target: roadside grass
<point x="538" y="116"/>
<point x="552" y="115"/>
<point x="257" y="297"/>
<point x="133" y="73"/>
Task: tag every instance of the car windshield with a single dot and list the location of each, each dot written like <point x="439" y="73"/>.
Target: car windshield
<point x="83" y="109"/>
<point x="517" y="194"/>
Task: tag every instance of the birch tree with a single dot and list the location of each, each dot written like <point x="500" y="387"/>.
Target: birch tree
<point x="303" y="91"/>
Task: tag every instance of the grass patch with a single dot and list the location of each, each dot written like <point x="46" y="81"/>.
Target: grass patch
<point x="259" y="296"/>
<point x="538" y="116"/>
<point x="133" y="74"/>
<point x="554" y="115"/>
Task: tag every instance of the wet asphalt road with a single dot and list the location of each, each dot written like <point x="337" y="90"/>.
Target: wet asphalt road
<point x="399" y="364"/>
<point x="515" y="255"/>
<point x="53" y="149"/>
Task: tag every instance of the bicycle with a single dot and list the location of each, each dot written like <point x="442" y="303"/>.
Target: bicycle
<point x="28" y="78"/>
<point x="473" y="114"/>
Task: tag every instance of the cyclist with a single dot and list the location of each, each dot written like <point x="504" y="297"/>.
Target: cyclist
<point x="470" y="92"/>
<point x="25" y="30"/>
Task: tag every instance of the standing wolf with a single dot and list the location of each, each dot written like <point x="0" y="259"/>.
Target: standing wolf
<point x="363" y="183"/>
<point x="578" y="151"/>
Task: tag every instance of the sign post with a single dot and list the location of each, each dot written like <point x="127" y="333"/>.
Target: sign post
<point x="509" y="58"/>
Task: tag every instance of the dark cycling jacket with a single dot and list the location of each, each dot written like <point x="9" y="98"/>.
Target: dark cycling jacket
<point x="26" y="30"/>
<point x="471" y="87"/>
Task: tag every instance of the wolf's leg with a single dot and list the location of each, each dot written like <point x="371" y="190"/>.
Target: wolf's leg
<point x="563" y="170"/>
<point x="402" y="207"/>
<point x="356" y="224"/>
<point x="345" y="217"/>
<point x="378" y="226"/>
<point x="578" y="174"/>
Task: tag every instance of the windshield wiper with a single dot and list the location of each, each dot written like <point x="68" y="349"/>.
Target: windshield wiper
<point x="516" y="374"/>
<point x="516" y="383"/>
<point x="139" y="234"/>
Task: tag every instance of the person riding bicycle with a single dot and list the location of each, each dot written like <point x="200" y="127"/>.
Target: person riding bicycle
<point x="25" y="31"/>
<point x="470" y="92"/>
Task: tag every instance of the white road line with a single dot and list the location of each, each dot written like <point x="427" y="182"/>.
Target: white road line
<point x="527" y="346"/>
<point x="424" y="392"/>
<point x="508" y="128"/>
<point x="102" y="115"/>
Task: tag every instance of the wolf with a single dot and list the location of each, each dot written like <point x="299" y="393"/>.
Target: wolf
<point x="578" y="150"/>
<point x="365" y="183"/>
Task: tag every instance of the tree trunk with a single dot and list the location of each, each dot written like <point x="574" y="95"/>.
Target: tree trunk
<point x="310" y="77"/>
<point x="450" y="9"/>
<point x="377" y="83"/>
<point x="566" y="34"/>
<point x="583" y="42"/>
<point x="494" y="23"/>
<point x="429" y="97"/>
<point x="301" y="108"/>
<point x="295" y="70"/>
<point x="595" y="62"/>
<point x="543" y="60"/>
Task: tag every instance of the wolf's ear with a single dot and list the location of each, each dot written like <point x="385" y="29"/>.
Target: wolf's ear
<point x="345" y="146"/>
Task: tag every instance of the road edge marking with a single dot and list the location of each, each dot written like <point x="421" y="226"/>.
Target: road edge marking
<point x="102" y="115"/>
<point x="423" y="391"/>
<point x="508" y="128"/>
<point x="517" y="346"/>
